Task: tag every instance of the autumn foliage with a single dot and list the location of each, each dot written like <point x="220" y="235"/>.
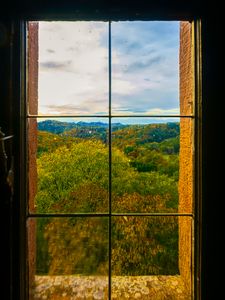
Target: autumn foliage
<point x="73" y="177"/>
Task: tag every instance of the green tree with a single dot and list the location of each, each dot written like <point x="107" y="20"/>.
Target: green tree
<point x="76" y="179"/>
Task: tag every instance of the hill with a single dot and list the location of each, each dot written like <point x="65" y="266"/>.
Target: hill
<point x="59" y="127"/>
<point x="121" y="134"/>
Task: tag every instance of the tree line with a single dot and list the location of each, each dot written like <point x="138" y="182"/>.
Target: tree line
<point x="73" y="177"/>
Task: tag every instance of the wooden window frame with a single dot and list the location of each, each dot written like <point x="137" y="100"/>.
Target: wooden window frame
<point x="20" y="141"/>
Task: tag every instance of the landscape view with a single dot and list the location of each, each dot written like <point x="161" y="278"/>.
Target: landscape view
<point x="73" y="177"/>
<point x="108" y="144"/>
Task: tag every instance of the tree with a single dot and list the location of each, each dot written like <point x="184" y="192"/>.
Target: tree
<point x="76" y="179"/>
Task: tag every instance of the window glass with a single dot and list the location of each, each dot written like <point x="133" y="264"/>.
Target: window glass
<point x="145" y="68"/>
<point x="73" y="68"/>
<point x="110" y="161"/>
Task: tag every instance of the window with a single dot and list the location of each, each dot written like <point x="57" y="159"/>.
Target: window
<point x="111" y="111"/>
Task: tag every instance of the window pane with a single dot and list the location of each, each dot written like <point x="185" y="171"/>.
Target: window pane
<point x="145" y="68"/>
<point x="145" y="165"/>
<point x="72" y="166"/>
<point x="73" y="68"/>
<point x="148" y="168"/>
<point x="145" y="258"/>
<point x="71" y="258"/>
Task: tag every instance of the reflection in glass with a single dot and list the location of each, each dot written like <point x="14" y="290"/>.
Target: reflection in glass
<point x="145" y="165"/>
<point x="73" y="252"/>
<point x="73" y="68"/>
<point x="72" y="166"/>
<point x="145" y="62"/>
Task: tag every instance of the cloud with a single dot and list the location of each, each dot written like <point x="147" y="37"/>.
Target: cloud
<point x="140" y="65"/>
<point x="87" y="107"/>
<point x="54" y="65"/>
<point x="161" y="111"/>
<point x="73" y="67"/>
<point x="77" y="70"/>
<point x="67" y="109"/>
<point x="64" y="109"/>
<point x="146" y="101"/>
<point x="50" y="51"/>
<point x="145" y="59"/>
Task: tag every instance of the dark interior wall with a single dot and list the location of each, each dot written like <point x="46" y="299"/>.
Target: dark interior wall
<point x="213" y="133"/>
<point x="213" y="159"/>
<point x="6" y="124"/>
<point x="115" y="9"/>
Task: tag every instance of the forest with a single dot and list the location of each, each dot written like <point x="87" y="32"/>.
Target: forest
<point x="79" y="172"/>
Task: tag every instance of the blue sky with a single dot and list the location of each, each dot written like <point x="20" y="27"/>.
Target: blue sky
<point x="73" y="68"/>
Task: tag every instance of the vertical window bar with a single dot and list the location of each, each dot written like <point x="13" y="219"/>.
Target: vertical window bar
<point x="198" y="159"/>
<point x="110" y="163"/>
<point x="22" y="133"/>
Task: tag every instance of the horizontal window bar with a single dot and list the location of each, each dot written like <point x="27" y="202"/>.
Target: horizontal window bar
<point x="64" y="215"/>
<point x="67" y="116"/>
<point x="152" y="214"/>
<point x="109" y="116"/>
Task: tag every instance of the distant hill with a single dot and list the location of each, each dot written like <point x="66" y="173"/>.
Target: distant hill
<point x="149" y="147"/>
<point x="122" y="135"/>
<point x="144" y="134"/>
<point x="58" y="127"/>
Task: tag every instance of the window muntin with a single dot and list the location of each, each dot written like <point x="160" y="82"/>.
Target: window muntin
<point x="113" y="212"/>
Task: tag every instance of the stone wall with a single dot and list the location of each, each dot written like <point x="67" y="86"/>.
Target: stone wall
<point x="186" y="151"/>
<point x="32" y="98"/>
<point x="123" y="287"/>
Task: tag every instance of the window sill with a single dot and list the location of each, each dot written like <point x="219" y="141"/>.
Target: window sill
<point x="123" y="287"/>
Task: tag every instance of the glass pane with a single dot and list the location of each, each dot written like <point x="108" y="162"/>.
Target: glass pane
<point x="145" y="165"/>
<point x="72" y="68"/>
<point x="68" y="165"/>
<point x="151" y="257"/>
<point x="145" y="68"/>
<point x="68" y="258"/>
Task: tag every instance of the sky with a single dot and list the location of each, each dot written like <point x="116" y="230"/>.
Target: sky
<point x="74" y="68"/>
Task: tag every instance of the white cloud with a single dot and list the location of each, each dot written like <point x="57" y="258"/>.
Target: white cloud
<point x="160" y="111"/>
<point x="73" y="64"/>
<point x="73" y="67"/>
